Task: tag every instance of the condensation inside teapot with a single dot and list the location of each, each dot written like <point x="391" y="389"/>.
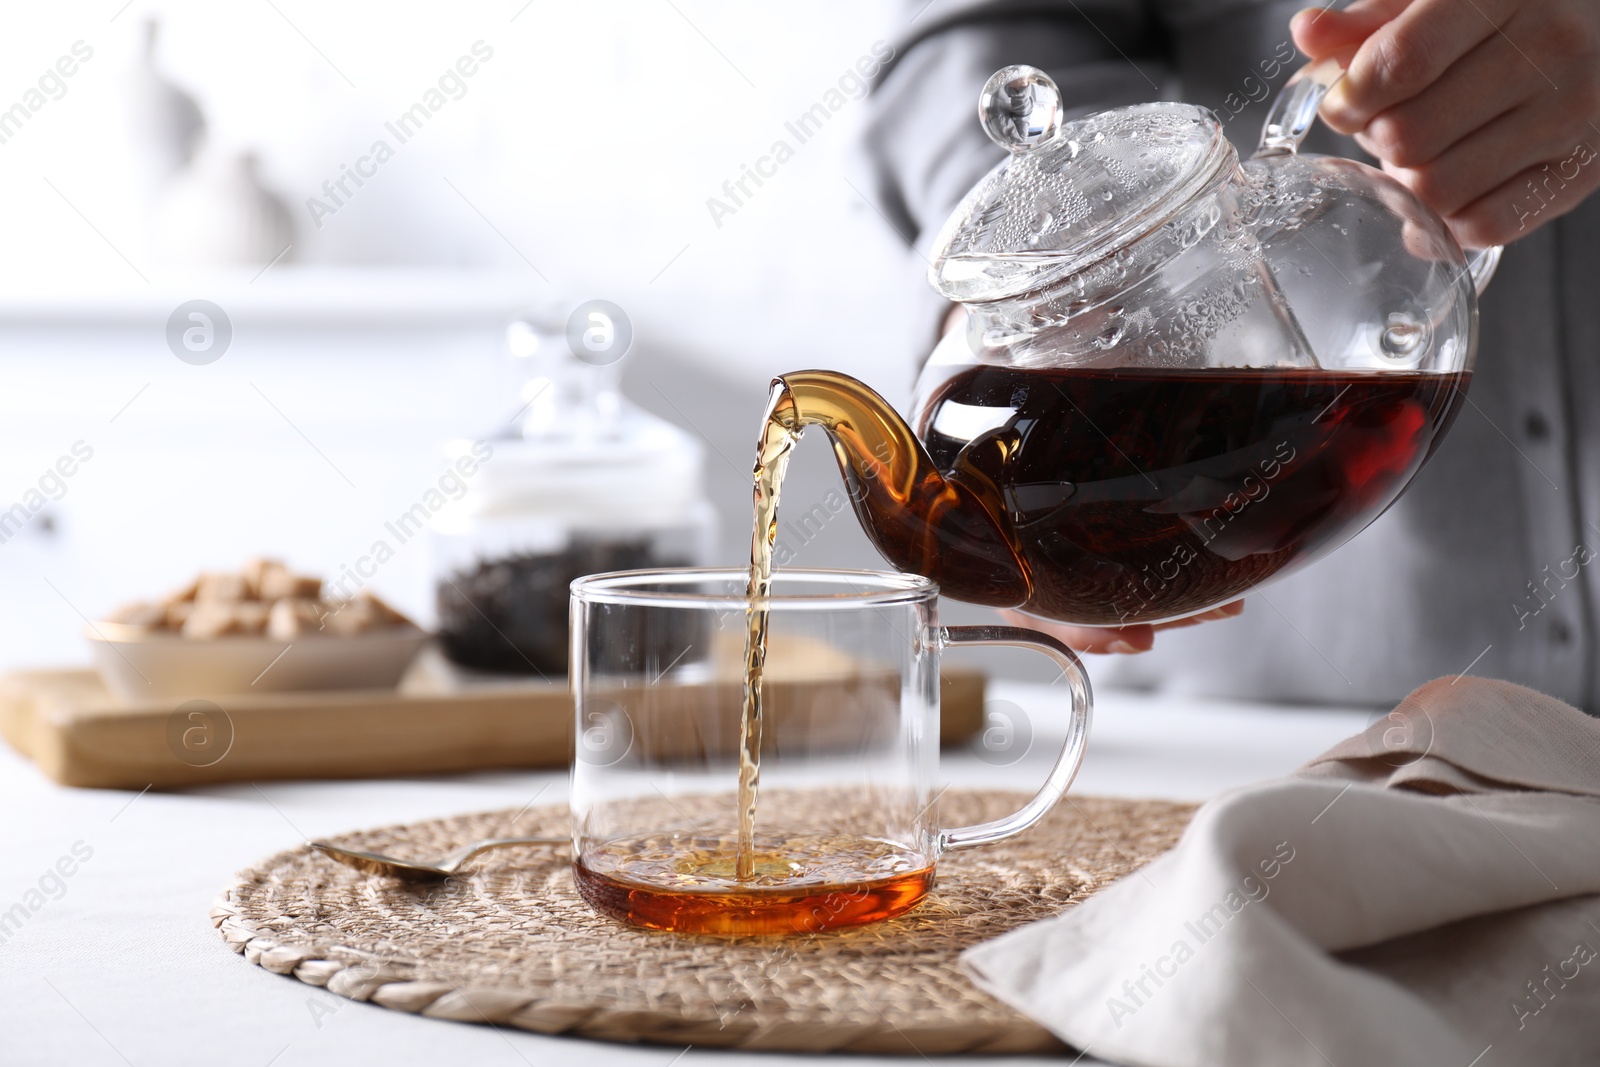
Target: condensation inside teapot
<point x="1135" y="237"/>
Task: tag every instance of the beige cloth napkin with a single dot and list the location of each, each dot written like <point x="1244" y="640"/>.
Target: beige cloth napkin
<point x="1418" y="895"/>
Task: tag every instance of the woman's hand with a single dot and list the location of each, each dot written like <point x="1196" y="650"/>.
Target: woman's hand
<point x="1489" y="110"/>
<point x="1121" y="639"/>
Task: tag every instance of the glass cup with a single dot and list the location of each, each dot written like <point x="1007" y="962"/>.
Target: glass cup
<point x="846" y="827"/>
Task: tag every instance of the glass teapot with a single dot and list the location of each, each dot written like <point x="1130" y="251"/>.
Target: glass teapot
<point x="1182" y="375"/>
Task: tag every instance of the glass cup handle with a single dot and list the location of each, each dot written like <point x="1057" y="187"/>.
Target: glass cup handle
<point x="1067" y="763"/>
<point x="1293" y="113"/>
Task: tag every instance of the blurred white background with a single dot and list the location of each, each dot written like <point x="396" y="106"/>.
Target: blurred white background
<point x="574" y="163"/>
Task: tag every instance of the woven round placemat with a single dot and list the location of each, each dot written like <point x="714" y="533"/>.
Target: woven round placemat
<point x="511" y="942"/>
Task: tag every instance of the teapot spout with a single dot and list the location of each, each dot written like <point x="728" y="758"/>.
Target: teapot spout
<point x="921" y="519"/>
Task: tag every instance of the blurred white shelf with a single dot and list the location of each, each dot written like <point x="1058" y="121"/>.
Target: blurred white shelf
<point x="289" y="296"/>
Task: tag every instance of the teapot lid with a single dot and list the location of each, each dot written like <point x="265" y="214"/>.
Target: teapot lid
<point x="1070" y="193"/>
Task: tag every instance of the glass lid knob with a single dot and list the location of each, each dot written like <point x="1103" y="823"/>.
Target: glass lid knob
<point x="1020" y="107"/>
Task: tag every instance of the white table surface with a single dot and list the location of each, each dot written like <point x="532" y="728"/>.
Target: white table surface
<point x="123" y="966"/>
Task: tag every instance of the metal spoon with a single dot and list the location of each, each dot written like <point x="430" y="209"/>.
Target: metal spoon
<point x="420" y="870"/>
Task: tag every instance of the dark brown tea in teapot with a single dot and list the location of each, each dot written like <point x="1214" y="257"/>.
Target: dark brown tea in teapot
<point x="1126" y="496"/>
<point x="1120" y="496"/>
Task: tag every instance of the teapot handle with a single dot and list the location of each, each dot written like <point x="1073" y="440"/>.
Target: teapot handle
<point x="1294" y="110"/>
<point x="1293" y="113"/>
<point x="1481" y="265"/>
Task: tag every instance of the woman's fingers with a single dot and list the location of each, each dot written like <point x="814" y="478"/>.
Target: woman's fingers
<point x="1323" y="33"/>
<point x="1407" y="54"/>
<point x="1490" y="81"/>
<point x="1531" y="198"/>
<point x="1495" y="155"/>
<point x="1227" y="611"/>
<point x="1489" y="110"/>
<point x="1120" y="640"/>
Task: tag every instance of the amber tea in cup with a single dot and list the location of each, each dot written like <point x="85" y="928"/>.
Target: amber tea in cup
<point x="845" y="823"/>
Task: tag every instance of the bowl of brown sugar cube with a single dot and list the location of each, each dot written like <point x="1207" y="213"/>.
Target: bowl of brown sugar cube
<point x="264" y="628"/>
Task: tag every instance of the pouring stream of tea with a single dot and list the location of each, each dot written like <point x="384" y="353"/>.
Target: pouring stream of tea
<point x="879" y="451"/>
<point x="772" y="459"/>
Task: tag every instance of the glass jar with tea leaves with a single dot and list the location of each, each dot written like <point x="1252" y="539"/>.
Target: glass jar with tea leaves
<point x="587" y="483"/>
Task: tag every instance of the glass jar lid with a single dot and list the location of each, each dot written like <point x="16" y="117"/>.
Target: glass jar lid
<point x="1070" y="193"/>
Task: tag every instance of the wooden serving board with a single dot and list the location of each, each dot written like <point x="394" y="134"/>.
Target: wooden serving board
<point x="66" y="722"/>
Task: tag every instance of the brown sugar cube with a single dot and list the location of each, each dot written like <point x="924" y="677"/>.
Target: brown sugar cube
<point x="140" y="614"/>
<point x="222" y="586"/>
<point x="281" y="582"/>
<point x="210" y="618"/>
<point x="255" y="573"/>
<point x="382" y="613"/>
<point x="294" y="617"/>
<point x="347" y="618"/>
<point x="215" y="618"/>
<point x="249" y="617"/>
<point x="183" y="596"/>
<point x="178" y="613"/>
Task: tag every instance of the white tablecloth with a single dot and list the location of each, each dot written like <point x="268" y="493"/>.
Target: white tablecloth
<point x="120" y="965"/>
